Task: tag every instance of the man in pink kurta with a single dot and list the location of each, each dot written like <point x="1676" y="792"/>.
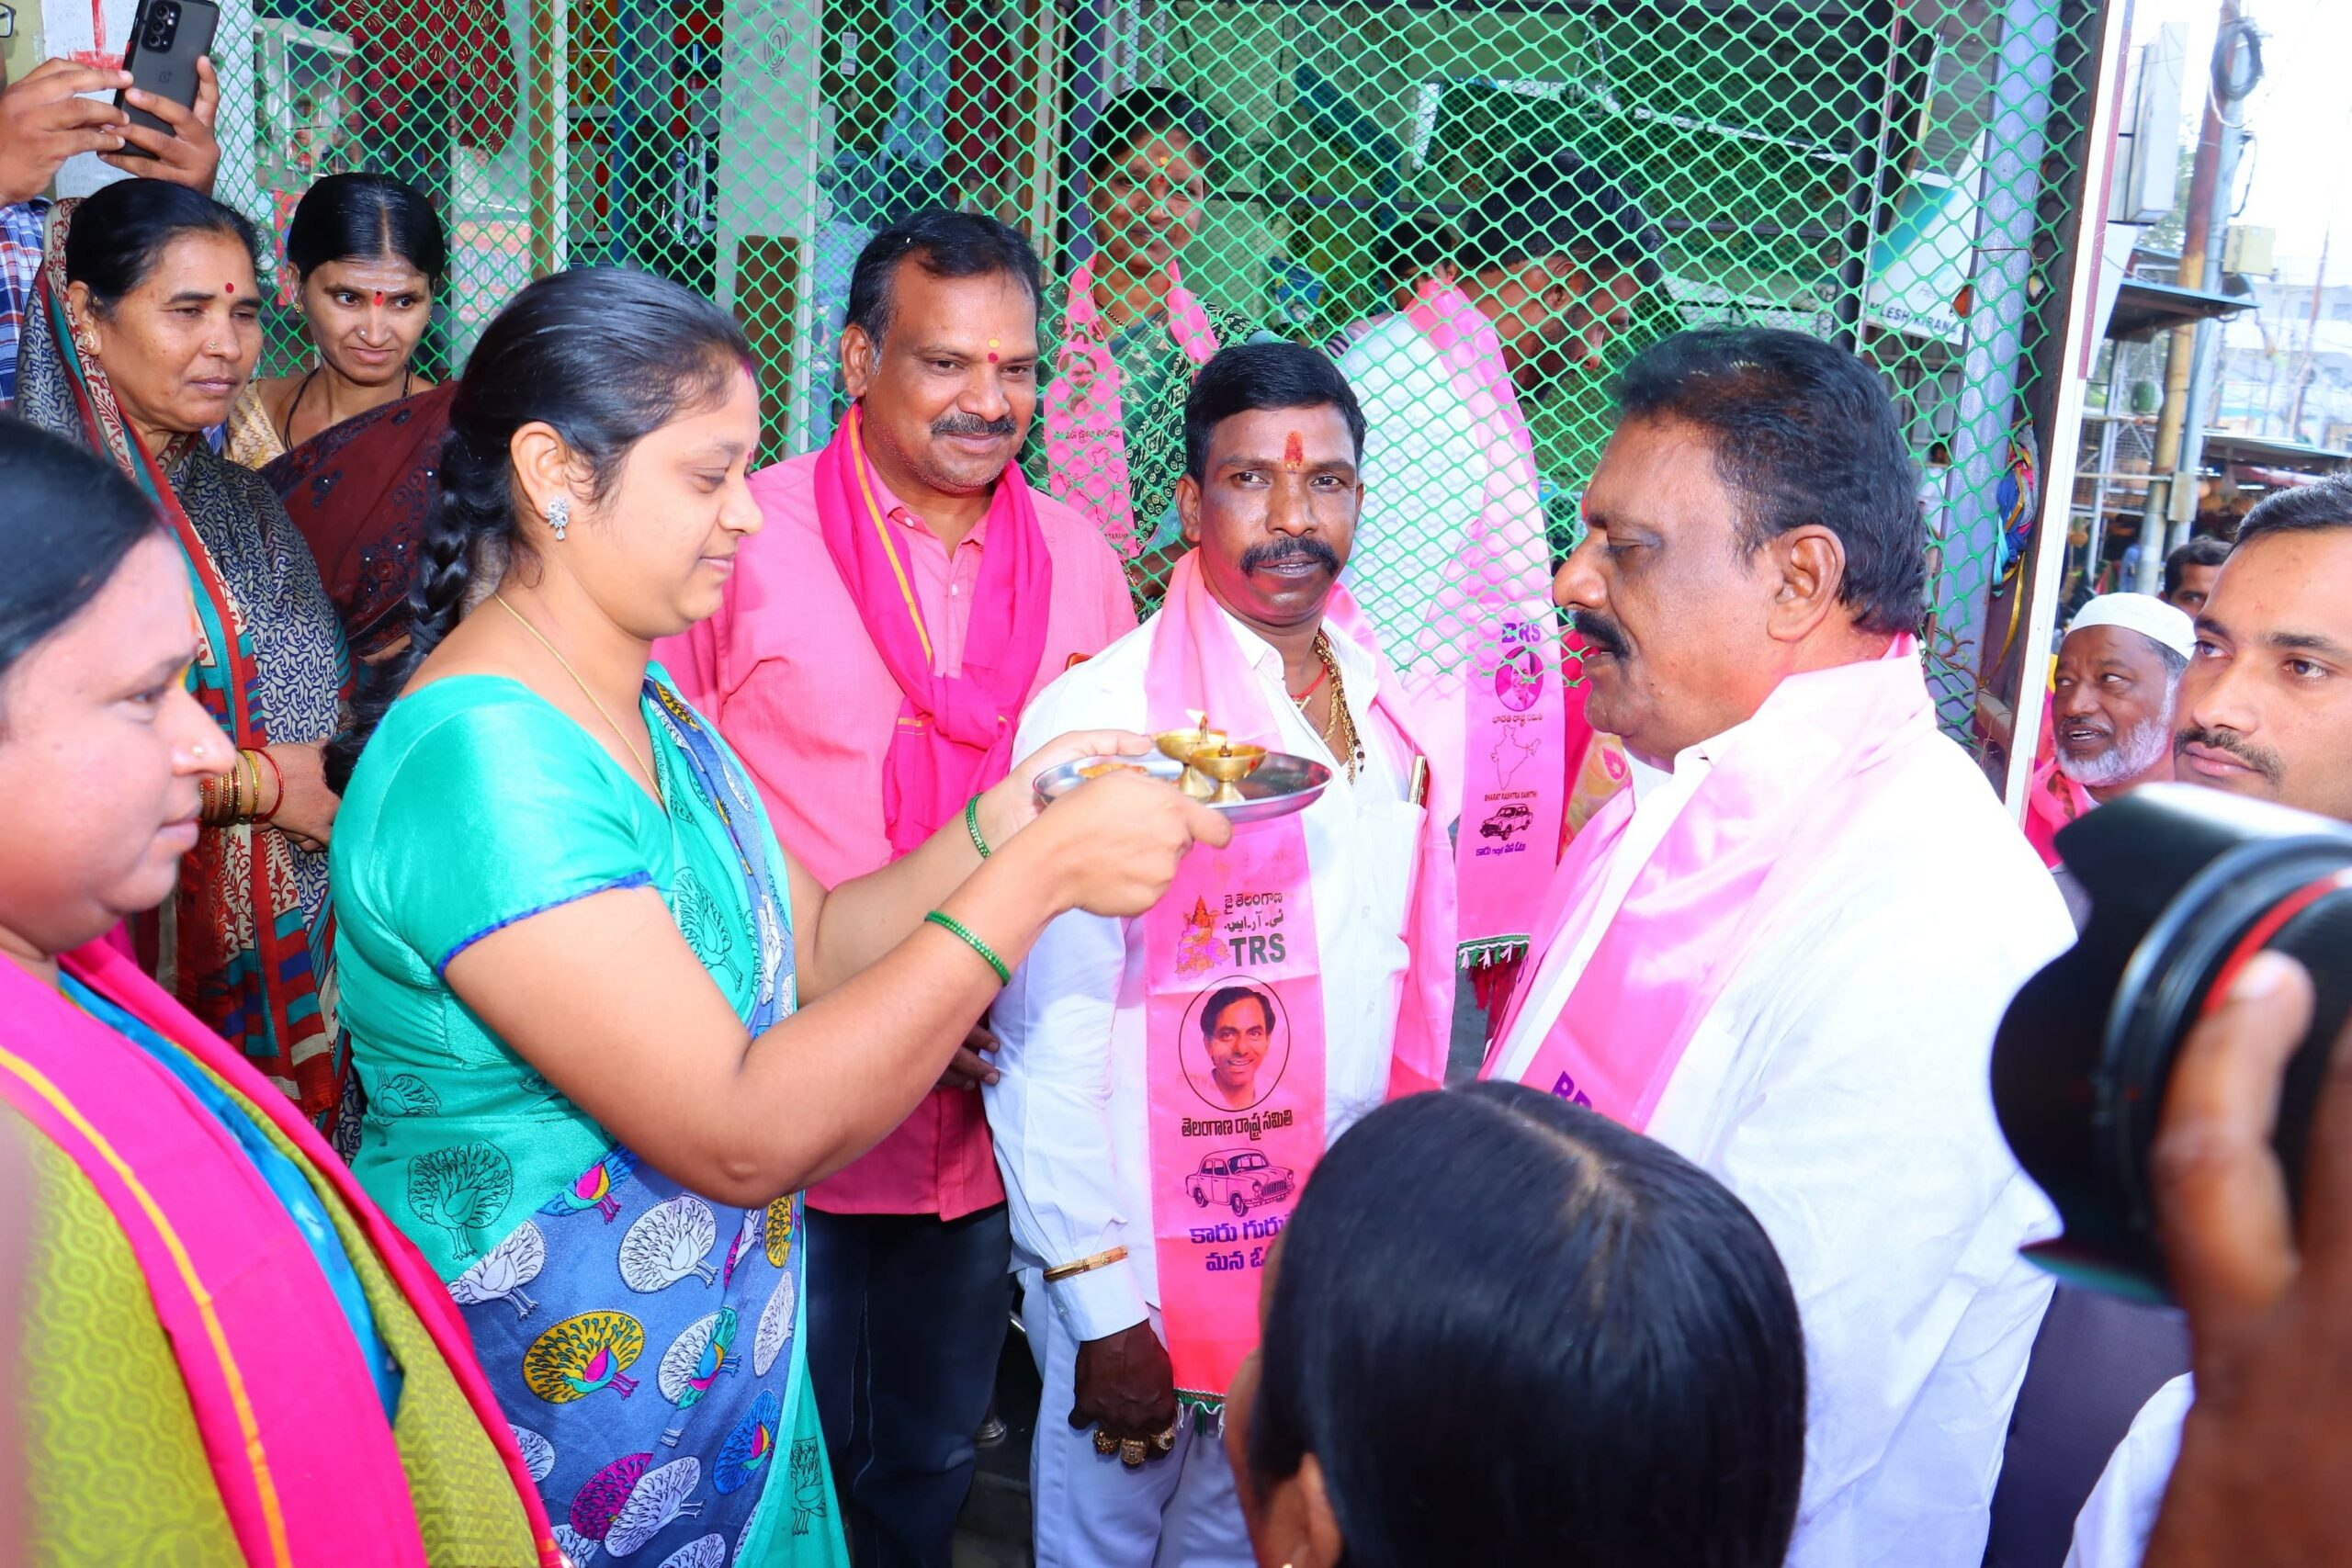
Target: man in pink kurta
<point x="884" y="566"/>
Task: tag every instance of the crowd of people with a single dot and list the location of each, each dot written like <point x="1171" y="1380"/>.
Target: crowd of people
<point x="544" y="1014"/>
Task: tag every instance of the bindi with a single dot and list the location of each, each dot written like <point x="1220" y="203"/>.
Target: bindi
<point x="229" y="288"/>
<point x="1294" y="453"/>
<point x="379" y="299"/>
<point x="993" y="351"/>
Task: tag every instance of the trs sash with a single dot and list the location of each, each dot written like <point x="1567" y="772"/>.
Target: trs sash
<point x="1514" y="769"/>
<point x="1238" y="1125"/>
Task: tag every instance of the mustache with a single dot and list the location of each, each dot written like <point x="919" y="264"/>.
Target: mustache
<point x="1605" y="635"/>
<point x="2261" y="760"/>
<point x="1274" y="552"/>
<point x="973" y="424"/>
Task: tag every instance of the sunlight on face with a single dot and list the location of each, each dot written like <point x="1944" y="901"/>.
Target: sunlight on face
<point x="178" y="348"/>
<point x="656" y="550"/>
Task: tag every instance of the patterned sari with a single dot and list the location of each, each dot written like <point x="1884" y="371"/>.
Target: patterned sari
<point x="645" y="1340"/>
<point x="247" y="941"/>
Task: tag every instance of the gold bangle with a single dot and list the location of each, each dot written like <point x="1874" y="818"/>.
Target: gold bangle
<point x="1103" y="1259"/>
<point x="253" y="781"/>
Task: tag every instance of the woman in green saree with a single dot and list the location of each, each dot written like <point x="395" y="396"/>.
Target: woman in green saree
<point x="576" y="960"/>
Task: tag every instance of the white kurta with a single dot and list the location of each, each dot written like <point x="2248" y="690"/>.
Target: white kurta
<point x="1839" y="1085"/>
<point x="1069" y="1111"/>
<point x="2112" y="1531"/>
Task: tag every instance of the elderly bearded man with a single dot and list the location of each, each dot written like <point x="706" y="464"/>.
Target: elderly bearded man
<point x="1143" y="1201"/>
<point x="2119" y="671"/>
<point x="1784" y="950"/>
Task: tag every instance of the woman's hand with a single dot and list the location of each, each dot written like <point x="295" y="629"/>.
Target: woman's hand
<point x="1112" y="845"/>
<point x="306" y="807"/>
<point x="1012" y="804"/>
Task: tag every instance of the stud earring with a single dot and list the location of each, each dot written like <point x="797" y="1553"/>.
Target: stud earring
<point x="559" y="515"/>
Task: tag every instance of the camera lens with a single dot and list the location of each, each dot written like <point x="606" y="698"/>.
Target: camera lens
<point x="163" y="25"/>
<point x="2186" y="885"/>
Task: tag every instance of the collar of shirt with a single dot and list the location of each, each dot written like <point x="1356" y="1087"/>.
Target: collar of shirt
<point x="898" y="511"/>
<point x="1355" y="663"/>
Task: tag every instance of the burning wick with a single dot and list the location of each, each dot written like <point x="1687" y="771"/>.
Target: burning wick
<point x="1293" y="452"/>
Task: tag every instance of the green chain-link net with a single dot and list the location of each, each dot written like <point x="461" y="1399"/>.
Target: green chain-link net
<point x="1897" y="176"/>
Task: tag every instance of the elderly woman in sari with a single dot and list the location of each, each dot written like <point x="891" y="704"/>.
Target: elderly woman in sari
<point x="575" y="958"/>
<point x="221" y="1351"/>
<point x="145" y="328"/>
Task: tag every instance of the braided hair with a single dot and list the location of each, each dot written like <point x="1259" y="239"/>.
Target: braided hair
<point x="605" y="356"/>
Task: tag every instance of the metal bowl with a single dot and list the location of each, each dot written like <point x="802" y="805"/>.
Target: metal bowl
<point x="1283" y="783"/>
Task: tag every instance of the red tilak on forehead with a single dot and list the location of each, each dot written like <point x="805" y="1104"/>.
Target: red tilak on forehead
<point x="1293" y="452"/>
<point x="228" y="289"/>
<point x="379" y="299"/>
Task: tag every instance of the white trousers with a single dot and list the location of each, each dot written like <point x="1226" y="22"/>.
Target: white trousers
<point x="1179" y="1511"/>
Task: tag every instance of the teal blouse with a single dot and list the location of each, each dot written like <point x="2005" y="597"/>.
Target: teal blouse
<point x="476" y="804"/>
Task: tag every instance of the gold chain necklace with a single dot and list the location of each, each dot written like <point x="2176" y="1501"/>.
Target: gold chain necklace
<point x="1340" y="729"/>
<point x="602" y="711"/>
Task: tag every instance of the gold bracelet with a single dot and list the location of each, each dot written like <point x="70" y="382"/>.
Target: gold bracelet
<point x="1104" y="1260"/>
<point x="253" y="779"/>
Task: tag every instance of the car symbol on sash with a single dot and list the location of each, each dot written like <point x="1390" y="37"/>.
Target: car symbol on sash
<point x="1239" y="1178"/>
<point x="1508" y="820"/>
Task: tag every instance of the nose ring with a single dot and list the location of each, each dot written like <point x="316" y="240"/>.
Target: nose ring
<point x="199" y="749"/>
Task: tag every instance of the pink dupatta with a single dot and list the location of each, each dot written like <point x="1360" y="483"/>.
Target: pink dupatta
<point x="954" y="732"/>
<point x="1086" y="442"/>
<point x="291" y="1422"/>
<point x="1778" y="789"/>
<point x="1225" y="1177"/>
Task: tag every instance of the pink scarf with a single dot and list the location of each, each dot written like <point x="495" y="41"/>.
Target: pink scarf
<point x="1778" y="789"/>
<point x="1086" y="442"/>
<point x="307" y="1467"/>
<point x="2052" y="803"/>
<point x="1223" y="1176"/>
<point x="1515" y="770"/>
<point x="954" y="732"/>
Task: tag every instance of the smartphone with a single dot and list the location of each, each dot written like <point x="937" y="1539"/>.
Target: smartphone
<point x="167" y="38"/>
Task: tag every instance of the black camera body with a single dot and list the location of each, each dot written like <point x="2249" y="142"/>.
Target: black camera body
<point x="2186" y="885"/>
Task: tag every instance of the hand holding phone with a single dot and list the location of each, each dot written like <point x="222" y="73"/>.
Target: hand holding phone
<point x="173" y="97"/>
<point x="183" y="152"/>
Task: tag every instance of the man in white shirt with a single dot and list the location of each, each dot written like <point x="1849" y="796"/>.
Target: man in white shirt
<point x="1114" y="1110"/>
<point x="1785" y="951"/>
<point x="2265" y="712"/>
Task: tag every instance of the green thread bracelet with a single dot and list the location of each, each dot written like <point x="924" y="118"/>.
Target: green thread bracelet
<point x="972" y="826"/>
<point x="951" y="924"/>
